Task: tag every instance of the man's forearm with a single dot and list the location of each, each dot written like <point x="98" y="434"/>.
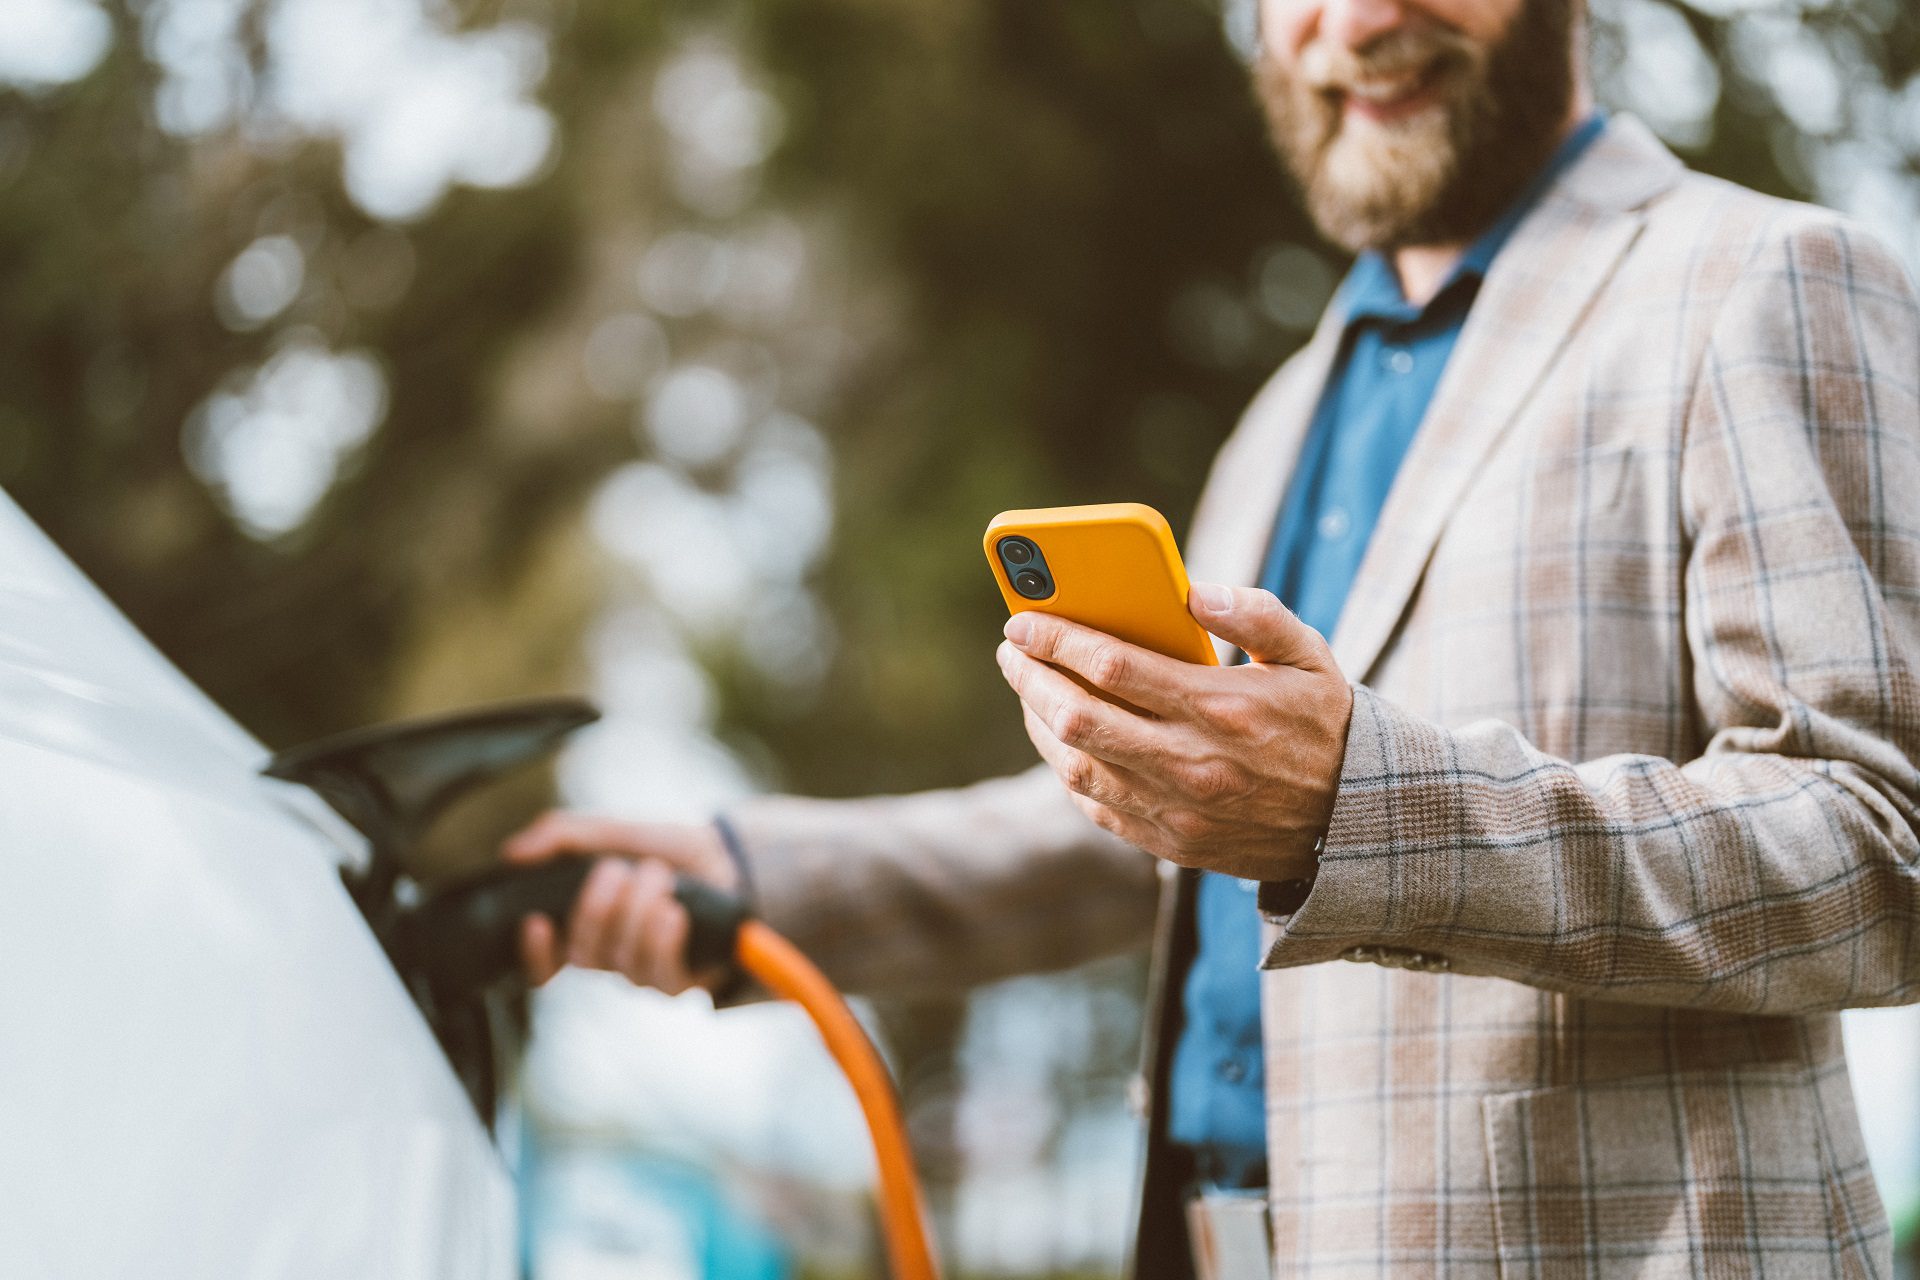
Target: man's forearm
<point x="1745" y="881"/>
<point x="943" y="889"/>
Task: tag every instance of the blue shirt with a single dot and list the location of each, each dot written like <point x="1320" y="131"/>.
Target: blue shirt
<point x="1392" y="354"/>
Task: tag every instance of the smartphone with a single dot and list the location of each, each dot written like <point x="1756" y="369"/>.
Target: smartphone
<point x="1112" y="567"/>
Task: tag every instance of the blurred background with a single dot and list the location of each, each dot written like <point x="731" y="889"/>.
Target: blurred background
<point x="384" y="356"/>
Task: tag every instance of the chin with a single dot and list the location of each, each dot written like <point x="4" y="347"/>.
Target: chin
<point x="1398" y="155"/>
<point x="1376" y="180"/>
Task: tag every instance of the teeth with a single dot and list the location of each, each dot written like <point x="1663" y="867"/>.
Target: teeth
<point x="1384" y="91"/>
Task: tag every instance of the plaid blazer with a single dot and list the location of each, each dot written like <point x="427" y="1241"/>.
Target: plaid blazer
<point x="1627" y="811"/>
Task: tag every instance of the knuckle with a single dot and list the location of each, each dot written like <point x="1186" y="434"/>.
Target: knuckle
<point x="1078" y="772"/>
<point x="605" y="883"/>
<point x="1186" y="825"/>
<point x="1042" y="636"/>
<point x="1108" y="664"/>
<point x="1072" y="725"/>
<point x="1216" y="706"/>
<point x="1230" y="711"/>
<point x="1214" y="782"/>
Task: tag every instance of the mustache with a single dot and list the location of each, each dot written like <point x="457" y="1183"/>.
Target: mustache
<point x="1326" y="66"/>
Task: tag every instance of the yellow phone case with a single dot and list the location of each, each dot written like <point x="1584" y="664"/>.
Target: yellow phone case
<point x="1115" y="568"/>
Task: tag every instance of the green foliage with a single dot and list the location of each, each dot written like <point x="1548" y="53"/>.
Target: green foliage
<point x="1065" y="218"/>
<point x="1063" y="192"/>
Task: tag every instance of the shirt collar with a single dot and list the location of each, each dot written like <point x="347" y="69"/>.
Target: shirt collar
<point x="1371" y="290"/>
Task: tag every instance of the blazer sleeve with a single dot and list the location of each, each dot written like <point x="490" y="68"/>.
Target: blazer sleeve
<point x="943" y="889"/>
<point x="1779" y="871"/>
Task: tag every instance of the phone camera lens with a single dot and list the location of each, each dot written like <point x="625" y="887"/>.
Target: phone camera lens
<point x="1031" y="585"/>
<point x="1016" y="551"/>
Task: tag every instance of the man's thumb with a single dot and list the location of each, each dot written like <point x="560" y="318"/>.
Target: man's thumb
<point x="1257" y="622"/>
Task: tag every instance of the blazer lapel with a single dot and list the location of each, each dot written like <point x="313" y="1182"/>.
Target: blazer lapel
<point x="1534" y="297"/>
<point x="1234" y="523"/>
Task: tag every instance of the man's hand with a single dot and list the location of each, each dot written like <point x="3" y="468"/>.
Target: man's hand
<point x="1229" y="769"/>
<point x="626" y="918"/>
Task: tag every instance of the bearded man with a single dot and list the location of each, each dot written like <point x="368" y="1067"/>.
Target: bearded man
<point x="1504" y="935"/>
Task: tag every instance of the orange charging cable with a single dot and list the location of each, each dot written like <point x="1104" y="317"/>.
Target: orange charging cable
<point x="781" y="969"/>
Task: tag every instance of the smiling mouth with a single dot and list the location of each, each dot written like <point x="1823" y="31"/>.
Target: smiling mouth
<point x="1386" y="99"/>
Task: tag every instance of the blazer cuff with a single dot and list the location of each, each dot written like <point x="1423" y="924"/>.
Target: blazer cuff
<point x="1384" y="869"/>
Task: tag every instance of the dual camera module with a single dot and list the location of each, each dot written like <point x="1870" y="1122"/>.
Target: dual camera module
<point x="1026" y="567"/>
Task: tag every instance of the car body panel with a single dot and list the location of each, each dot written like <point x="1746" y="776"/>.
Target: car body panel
<point x="207" y="1067"/>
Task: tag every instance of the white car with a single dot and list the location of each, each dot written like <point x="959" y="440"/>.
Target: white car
<point x="209" y="1069"/>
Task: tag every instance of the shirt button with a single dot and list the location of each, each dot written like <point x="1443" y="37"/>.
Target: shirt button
<point x="1398" y="360"/>
<point x="1232" y="1072"/>
<point x="1334" y="524"/>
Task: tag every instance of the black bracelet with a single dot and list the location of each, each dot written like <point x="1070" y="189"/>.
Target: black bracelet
<point x="735" y="982"/>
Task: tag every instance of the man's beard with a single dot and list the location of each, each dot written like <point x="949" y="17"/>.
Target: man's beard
<point x="1444" y="173"/>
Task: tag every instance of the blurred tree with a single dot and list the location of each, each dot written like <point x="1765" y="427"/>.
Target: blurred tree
<point x="117" y="250"/>
<point x="1079" y="205"/>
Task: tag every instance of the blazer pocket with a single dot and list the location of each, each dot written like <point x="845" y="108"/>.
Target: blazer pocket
<point x="1685" y="1175"/>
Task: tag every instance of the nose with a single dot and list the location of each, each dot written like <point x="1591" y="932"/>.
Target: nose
<point x="1356" y="24"/>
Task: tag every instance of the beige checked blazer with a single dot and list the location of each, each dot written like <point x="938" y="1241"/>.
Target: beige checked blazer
<point x="1628" y="805"/>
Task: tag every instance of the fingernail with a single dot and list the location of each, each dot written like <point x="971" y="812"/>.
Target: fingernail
<point x="1213" y="597"/>
<point x="1018" y="628"/>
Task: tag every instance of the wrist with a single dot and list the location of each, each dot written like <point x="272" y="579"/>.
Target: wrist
<point x="1279" y="899"/>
